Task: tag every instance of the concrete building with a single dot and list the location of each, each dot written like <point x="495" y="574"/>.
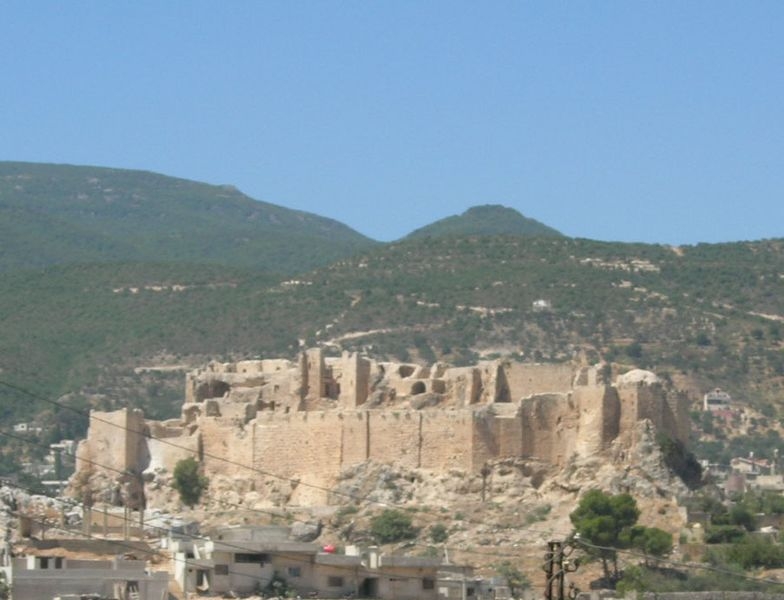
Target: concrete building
<point x="47" y="577"/>
<point x="716" y="400"/>
<point x="263" y="559"/>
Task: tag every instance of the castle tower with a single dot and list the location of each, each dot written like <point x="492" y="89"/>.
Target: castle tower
<point x="314" y="374"/>
<point x="355" y="381"/>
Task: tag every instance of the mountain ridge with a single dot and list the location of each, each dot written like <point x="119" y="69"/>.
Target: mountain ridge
<point x="61" y="213"/>
<point x="715" y="310"/>
<point x="100" y="214"/>
<point x="486" y="219"/>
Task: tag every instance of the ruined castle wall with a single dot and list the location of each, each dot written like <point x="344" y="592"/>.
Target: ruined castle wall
<point x="355" y="434"/>
<point x="303" y="445"/>
<point x="232" y="410"/>
<point x="629" y="407"/>
<point x="599" y="417"/>
<point x="508" y="425"/>
<point x="464" y="384"/>
<point x="167" y="445"/>
<point x="488" y="371"/>
<point x="354" y="380"/>
<point x="528" y="379"/>
<point x="676" y="418"/>
<point x="641" y="401"/>
<point x="305" y="420"/>
<point x="394" y="437"/>
<point x="253" y="367"/>
<point x="494" y="384"/>
<point x="549" y="427"/>
<point x="314" y="374"/>
<point x="409" y="386"/>
<point x="652" y="403"/>
<point x="225" y="445"/>
<point x="446" y="440"/>
<point x="484" y="440"/>
<point x="276" y="365"/>
<point x="116" y="441"/>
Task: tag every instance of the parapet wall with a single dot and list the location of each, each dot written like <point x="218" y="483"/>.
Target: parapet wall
<point x="530" y="379"/>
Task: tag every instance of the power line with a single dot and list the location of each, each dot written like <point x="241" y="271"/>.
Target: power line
<point x="276" y="515"/>
<point x="352" y="497"/>
<point x="587" y="544"/>
<point x="186" y="561"/>
<point x="167" y="442"/>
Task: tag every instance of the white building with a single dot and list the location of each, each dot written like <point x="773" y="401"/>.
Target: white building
<point x="716" y="400"/>
<point x="253" y="559"/>
<point x="48" y="577"/>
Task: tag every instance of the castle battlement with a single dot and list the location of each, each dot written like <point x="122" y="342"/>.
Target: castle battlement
<point x="315" y="417"/>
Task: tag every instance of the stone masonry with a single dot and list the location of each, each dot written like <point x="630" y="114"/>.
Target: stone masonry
<point x="308" y="420"/>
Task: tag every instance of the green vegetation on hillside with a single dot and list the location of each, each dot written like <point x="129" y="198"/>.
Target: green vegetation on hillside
<point x="80" y="328"/>
<point x="130" y="278"/>
<point x="62" y="214"/>
<point x="490" y="219"/>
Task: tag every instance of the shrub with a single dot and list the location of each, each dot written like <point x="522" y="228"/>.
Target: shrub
<point x="188" y="481"/>
<point x="438" y="533"/>
<point x="392" y="526"/>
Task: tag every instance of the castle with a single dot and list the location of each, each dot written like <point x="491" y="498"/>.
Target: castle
<point x="309" y="420"/>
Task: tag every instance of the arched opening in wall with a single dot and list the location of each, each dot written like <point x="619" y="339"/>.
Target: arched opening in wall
<point x="405" y="371"/>
<point x="261" y="405"/>
<point x="211" y="389"/>
<point x="418" y="388"/>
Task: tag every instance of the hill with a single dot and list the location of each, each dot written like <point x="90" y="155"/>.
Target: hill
<point x="709" y="314"/>
<point x="62" y="214"/>
<point x="490" y="219"/>
<point x="114" y="281"/>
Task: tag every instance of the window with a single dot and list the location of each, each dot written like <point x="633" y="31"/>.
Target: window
<point x="251" y="558"/>
<point x="221" y="569"/>
<point x="295" y="572"/>
<point x="334" y="581"/>
<point x="58" y="562"/>
<point x="428" y="583"/>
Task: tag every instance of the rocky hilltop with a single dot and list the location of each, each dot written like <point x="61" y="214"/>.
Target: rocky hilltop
<point x="292" y="433"/>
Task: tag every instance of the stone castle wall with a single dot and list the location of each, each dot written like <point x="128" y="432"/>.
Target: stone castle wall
<point x="117" y="441"/>
<point x="310" y="420"/>
<point x="530" y="379"/>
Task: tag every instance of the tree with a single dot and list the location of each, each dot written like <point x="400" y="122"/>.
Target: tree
<point x="651" y="541"/>
<point x="600" y="519"/>
<point x="438" y="533"/>
<point x="392" y="526"/>
<point x="742" y="516"/>
<point x="189" y="481"/>
<point x="515" y="578"/>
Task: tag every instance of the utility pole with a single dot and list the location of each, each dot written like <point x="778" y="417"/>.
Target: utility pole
<point x="58" y="471"/>
<point x="549" y="569"/>
<point x="485" y="473"/>
<point x="556" y="566"/>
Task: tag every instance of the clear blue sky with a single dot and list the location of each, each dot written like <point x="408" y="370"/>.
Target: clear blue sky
<point x="656" y="122"/>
